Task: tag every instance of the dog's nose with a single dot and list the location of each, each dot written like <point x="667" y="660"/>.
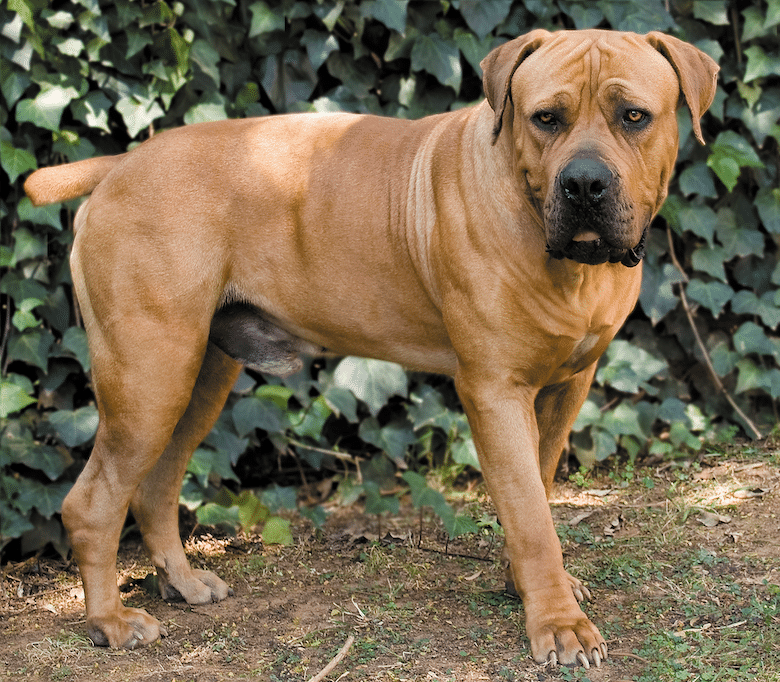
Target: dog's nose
<point x="585" y="181"/>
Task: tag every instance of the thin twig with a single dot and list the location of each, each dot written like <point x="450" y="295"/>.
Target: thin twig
<point x="334" y="453"/>
<point x="703" y="348"/>
<point x="737" y="43"/>
<point x="456" y="554"/>
<point x="625" y="654"/>
<point x="335" y="661"/>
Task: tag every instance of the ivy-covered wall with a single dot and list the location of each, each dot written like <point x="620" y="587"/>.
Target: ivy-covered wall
<point x="698" y="359"/>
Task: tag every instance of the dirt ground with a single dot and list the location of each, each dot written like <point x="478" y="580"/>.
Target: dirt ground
<point x="683" y="563"/>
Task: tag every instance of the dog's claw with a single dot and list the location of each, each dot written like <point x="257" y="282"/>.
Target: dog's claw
<point x="596" y="658"/>
<point x="583" y="660"/>
<point x="552" y="659"/>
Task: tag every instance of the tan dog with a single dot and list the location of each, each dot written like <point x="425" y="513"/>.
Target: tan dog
<point x="494" y="244"/>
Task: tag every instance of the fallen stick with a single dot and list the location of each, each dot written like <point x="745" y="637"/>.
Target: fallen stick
<point x="335" y="661"/>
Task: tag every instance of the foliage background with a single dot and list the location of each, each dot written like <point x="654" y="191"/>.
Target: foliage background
<point x="84" y="78"/>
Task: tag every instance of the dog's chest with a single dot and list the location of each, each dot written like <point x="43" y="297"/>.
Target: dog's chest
<point x="586" y="350"/>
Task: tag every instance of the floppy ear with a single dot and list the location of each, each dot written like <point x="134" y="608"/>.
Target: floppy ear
<point x="696" y="71"/>
<point x="499" y="67"/>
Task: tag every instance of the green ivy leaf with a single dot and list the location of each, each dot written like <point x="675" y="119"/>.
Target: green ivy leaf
<point x="751" y="377"/>
<point x="711" y="260"/>
<point x="753" y="25"/>
<point x="279" y="497"/>
<point x="45" y="110"/>
<point x="657" y="296"/>
<point x="747" y="303"/>
<point x="700" y="220"/>
<point x="463" y="451"/>
<point x="624" y="420"/>
<point x="473" y="50"/>
<point x="342" y="402"/>
<point x="29" y="245"/>
<point x="761" y="118"/>
<point x="75" y="341"/>
<point x="584" y="15"/>
<point x="772" y="14"/>
<point x="712" y="295"/>
<point x="92" y="110"/>
<point x="376" y="503"/>
<point x="253" y="413"/>
<point x="697" y="179"/>
<point x="32" y="347"/>
<point x="392" y="13"/>
<point x="458" y="525"/>
<point x="180" y="48"/>
<point x="628" y="368"/>
<point x="372" y="381"/>
<point x="277" y="532"/>
<point x="393" y="438"/>
<point x="440" y="58"/>
<point x="226" y="442"/>
<point x="47" y="499"/>
<point x="213" y="514"/>
<point x="729" y="154"/>
<point x="768" y="205"/>
<point x="138" y="114"/>
<point x="737" y="237"/>
<point x="19" y="444"/>
<point x="211" y="107"/>
<point x="12" y="523"/>
<point x="422" y="494"/>
<point x="75" y="427"/>
<point x="482" y="16"/>
<point x="207" y="60"/>
<point x="428" y="410"/>
<point x="204" y="461"/>
<point x="40" y="215"/>
<point x="313" y="419"/>
<point x="750" y="338"/>
<point x="319" y="45"/>
<point x="760" y="64"/>
<point x="13" y="398"/>
<point x="15" y="161"/>
<point x="251" y="510"/>
<point x="712" y="11"/>
<point x="264" y="20"/>
<point x="639" y="17"/>
<point x="724" y="360"/>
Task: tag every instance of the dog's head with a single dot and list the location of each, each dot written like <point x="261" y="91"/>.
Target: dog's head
<point x="592" y="118"/>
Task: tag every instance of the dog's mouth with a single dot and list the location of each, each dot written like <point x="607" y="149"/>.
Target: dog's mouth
<point x="591" y="249"/>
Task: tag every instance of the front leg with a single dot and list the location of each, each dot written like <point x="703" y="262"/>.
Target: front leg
<point x="503" y="420"/>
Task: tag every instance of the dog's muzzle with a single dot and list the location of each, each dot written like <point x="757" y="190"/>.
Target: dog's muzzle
<point x="597" y="251"/>
<point x="586" y="207"/>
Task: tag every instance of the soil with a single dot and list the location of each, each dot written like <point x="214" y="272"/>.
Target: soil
<point x="418" y="608"/>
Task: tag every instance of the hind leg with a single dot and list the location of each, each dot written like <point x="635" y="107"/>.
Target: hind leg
<point x="155" y="504"/>
<point x="143" y="384"/>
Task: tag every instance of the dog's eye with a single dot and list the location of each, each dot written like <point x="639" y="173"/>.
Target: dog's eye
<point x="635" y="117"/>
<point x="545" y="120"/>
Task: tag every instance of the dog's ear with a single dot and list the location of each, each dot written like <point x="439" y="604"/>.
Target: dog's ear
<point x="499" y="67"/>
<point x="696" y="71"/>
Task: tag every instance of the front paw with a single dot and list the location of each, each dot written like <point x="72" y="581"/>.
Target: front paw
<point x="197" y="587"/>
<point x="126" y="629"/>
<point x="567" y="638"/>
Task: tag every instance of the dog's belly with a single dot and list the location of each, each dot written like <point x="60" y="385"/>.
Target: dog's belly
<point x="249" y="335"/>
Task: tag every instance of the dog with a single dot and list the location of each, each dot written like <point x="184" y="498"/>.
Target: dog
<point x="500" y="244"/>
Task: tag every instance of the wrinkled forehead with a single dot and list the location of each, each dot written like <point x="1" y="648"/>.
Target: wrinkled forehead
<point x="603" y="65"/>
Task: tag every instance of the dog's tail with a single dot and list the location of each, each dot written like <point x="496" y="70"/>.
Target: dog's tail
<point x="68" y="181"/>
